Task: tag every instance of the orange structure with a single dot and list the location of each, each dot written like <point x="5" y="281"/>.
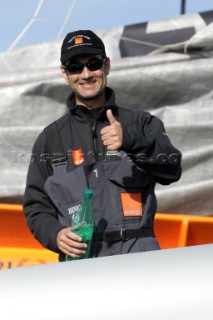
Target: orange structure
<point x="179" y="230"/>
<point x="19" y="248"/>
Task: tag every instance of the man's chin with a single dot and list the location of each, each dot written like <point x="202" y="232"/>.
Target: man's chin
<point x="90" y="97"/>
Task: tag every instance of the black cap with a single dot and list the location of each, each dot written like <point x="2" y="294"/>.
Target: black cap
<point x="81" y="42"/>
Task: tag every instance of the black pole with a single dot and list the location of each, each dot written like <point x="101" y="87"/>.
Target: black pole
<point x="183" y="6"/>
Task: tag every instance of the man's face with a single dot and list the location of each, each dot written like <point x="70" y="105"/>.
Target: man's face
<point x="88" y="86"/>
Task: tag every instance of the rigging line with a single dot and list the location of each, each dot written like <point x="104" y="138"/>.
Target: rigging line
<point x="141" y="42"/>
<point x="66" y="18"/>
<point x="22" y="33"/>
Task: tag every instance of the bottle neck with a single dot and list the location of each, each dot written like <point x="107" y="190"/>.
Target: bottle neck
<point x="88" y="217"/>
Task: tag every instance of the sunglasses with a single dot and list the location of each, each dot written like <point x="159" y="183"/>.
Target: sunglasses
<point x="78" y="67"/>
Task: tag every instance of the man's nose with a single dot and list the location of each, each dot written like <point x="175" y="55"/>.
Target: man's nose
<point x="86" y="73"/>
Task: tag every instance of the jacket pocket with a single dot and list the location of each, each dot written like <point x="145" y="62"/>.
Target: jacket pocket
<point x="128" y="175"/>
<point x="65" y="189"/>
<point x="127" y="182"/>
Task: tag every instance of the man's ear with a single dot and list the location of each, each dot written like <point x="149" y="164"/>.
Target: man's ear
<point x="107" y="65"/>
<point x="64" y="74"/>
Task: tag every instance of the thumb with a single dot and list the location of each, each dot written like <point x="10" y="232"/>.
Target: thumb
<point x="110" y="116"/>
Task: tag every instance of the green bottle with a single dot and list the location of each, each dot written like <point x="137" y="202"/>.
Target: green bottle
<point x="82" y="223"/>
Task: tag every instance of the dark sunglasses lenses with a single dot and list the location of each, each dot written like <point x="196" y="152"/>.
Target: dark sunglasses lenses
<point x="95" y="64"/>
<point x="92" y="65"/>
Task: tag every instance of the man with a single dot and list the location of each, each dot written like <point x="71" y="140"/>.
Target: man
<point x="124" y="152"/>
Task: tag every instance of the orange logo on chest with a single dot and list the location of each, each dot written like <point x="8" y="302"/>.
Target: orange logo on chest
<point x="132" y="204"/>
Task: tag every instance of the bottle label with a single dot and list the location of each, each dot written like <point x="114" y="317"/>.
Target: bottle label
<point x="77" y="218"/>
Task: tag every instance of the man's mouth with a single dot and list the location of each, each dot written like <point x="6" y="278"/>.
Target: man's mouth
<point x="87" y="84"/>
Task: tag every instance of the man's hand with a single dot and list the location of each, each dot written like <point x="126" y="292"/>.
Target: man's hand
<point x="70" y="243"/>
<point x="112" y="135"/>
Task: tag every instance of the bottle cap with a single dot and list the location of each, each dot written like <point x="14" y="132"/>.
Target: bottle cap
<point x="88" y="193"/>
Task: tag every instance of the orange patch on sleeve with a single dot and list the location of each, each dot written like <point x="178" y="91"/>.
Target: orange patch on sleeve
<point x="132" y="204"/>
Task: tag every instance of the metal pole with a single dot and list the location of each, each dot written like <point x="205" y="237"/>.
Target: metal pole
<point x="183" y="6"/>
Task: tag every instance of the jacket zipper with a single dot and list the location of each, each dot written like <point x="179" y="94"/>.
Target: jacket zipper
<point x="94" y="138"/>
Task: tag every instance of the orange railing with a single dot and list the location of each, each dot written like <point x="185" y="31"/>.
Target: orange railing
<point x="18" y="247"/>
<point x="180" y="230"/>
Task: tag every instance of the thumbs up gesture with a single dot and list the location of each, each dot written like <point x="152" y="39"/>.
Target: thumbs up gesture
<point x="112" y="135"/>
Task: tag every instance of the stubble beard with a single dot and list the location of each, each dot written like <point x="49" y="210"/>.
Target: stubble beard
<point x="92" y="99"/>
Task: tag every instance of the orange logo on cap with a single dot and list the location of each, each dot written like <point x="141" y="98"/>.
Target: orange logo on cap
<point x="78" y="40"/>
